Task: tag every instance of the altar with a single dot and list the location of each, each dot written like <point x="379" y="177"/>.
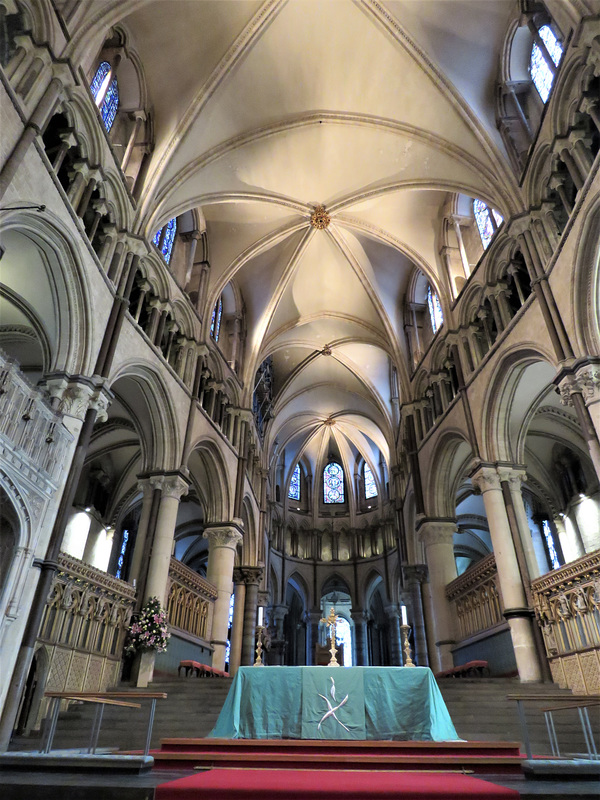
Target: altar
<point x="380" y="703"/>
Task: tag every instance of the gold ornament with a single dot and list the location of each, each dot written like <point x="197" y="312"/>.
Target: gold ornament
<point x="320" y="219"/>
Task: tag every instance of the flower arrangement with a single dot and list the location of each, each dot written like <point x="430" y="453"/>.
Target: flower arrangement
<point x="149" y="630"/>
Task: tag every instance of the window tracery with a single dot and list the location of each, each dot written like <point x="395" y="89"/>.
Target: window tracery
<point x="333" y="483"/>
<point x="294" y="492"/>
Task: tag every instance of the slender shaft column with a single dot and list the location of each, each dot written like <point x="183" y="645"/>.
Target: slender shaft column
<point x="147" y="489"/>
<point x="582" y="392"/>
<point x="172" y="487"/>
<point x="393" y="615"/>
<point x="415" y="575"/>
<point x="360" y="637"/>
<point x="139" y="117"/>
<point x="517" y="613"/>
<point x="237" y="628"/>
<point x="252" y="577"/>
<point x="438" y="538"/>
<point x="514" y="478"/>
<point x="222" y="543"/>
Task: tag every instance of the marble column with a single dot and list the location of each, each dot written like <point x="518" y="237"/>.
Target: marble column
<point x="235" y="654"/>
<point x="514" y="601"/>
<point x="222" y="543"/>
<point x="360" y="637"/>
<point x="415" y="575"/>
<point x="172" y="488"/>
<point x="252" y="577"/>
<point x="438" y="538"/>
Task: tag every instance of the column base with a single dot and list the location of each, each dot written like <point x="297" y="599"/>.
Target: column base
<point x="142" y="670"/>
<point x="444" y="649"/>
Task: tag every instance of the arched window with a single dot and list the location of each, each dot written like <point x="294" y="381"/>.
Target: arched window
<point x="488" y="221"/>
<point x="215" y="323"/>
<point x="121" y="559"/>
<point x="370" y="485"/>
<point x="343" y="635"/>
<point x="164" y="238"/>
<point x="435" y="310"/>
<point x="550" y="546"/>
<point x="106" y="93"/>
<point x="542" y="74"/>
<point x="333" y="483"/>
<point x="294" y="492"/>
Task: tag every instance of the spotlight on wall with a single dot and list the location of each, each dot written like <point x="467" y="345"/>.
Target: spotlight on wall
<point x="88" y="509"/>
<point x="581" y="496"/>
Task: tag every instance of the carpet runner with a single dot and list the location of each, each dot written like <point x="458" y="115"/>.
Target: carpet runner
<point x="253" y="784"/>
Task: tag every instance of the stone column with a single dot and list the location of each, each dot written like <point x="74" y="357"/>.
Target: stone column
<point x="252" y="577"/>
<point x="438" y="538"/>
<point x="278" y="614"/>
<point x="172" y="488"/>
<point x="360" y="637"/>
<point x="222" y="542"/>
<point x="146" y="487"/>
<point x="393" y="615"/>
<point x="514" y="478"/>
<point x="138" y="117"/>
<point x="582" y="392"/>
<point x="235" y="654"/>
<point x="415" y="575"/>
<point x="516" y="611"/>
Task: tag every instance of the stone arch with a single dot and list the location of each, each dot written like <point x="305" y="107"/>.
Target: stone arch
<point x="510" y="398"/>
<point x="370" y="584"/>
<point x="154" y="417"/>
<point x="585" y="290"/>
<point x="210" y="477"/>
<point x="300" y="585"/>
<point x="249" y="545"/>
<point x="451" y="458"/>
<point x="47" y="290"/>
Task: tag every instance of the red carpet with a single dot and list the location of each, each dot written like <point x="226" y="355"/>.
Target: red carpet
<point x="253" y="784"/>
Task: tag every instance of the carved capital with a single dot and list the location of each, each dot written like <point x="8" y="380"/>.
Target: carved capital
<point x="415" y="573"/>
<point x="169" y="485"/>
<point x="223" y="536"/>
<point x="486" y="479"/>
<point x="514" y="476"/>
<point x="74" y="396"/>
<point x="249" y="575"/>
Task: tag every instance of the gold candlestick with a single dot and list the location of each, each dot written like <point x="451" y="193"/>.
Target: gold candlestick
<point x="331" y="622"/>
<point x="259" y="646"/>
<point x="408" y="662"/>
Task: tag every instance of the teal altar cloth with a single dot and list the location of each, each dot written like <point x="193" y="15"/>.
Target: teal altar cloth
<point x="381" y="703"/>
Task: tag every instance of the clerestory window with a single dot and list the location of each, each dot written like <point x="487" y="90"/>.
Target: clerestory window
<point x="435" y="310"/>
<point x="545" y="57"/>
<point x="370" y="485"/>
<point x="294" y="492"/>
<point x="488" y="220"/>
<point x="105" y="91"/>
<point x="333" y="483"/>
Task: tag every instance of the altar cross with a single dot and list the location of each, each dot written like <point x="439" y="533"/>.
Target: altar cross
<point x="331" y="622"/>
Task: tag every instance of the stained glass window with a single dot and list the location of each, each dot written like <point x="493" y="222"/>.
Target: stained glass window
<point x="541" y="74"/>
<point x="215" y="323"/>
<point x="294" y="492"/>
<point x="169" y="239"/>
<point x="435" y="310"/>
<point x="229" y="624"/>
<point x="549" y="536"/>
<point x="99" y="79"/>
<point x="370" y="485"/>
<point x="110" y="104"/>
<point x="343" y="635"/>
<point x="333" y="483"/>
<point x="121" y="559"/>
<point x="483" y="217"/>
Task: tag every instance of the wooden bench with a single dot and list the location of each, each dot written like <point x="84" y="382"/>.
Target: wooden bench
<point x="472" y="669"/>
<point x="101" y="699"/>
<point x="201" y="670"/>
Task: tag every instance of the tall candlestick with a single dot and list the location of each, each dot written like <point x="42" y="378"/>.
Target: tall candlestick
<point x="260" y="616"/>
<point x="404" y="615"/>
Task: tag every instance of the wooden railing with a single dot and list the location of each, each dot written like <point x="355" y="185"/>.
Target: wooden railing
<point x="567" y="606"/>
<point x="475" y="596"/>
<point x="191" y="601"/>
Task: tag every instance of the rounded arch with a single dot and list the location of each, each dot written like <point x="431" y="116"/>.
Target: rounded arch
<point x="451" y="459"/>
<point x="250" y="545"/>
<point x="586" y="286"/>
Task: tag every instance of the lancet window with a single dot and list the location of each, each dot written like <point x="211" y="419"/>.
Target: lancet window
<point x="164" y="238"/>
<point x="121" y="559"/>
<point x="542" y="73"/>
<point x="333" y="483"/>
<point x="105" y="91"/>
<point x="435" y="310"/>
<point x="488" y="220"/>
<point x="215" y="322"/>
<point x="294" y="492"/>
<point x="370" y="485"/>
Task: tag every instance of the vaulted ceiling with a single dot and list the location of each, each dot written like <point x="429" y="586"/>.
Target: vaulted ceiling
<point x="377" y="110"/>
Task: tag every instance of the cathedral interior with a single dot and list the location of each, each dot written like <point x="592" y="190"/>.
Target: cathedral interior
<point x="299" y="310"/>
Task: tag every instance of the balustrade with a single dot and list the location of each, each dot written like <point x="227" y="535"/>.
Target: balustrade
<point x="475" y="596"/>
<point x="191" y="601"/>
<point x="567" y="606"/>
